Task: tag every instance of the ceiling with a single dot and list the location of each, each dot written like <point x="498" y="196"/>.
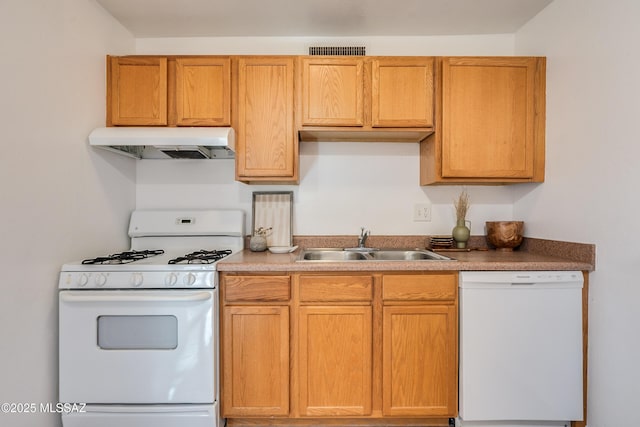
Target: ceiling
<point x="326" y="18"/>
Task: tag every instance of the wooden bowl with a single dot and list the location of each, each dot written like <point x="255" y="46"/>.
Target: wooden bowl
<point x="505" y="235"/>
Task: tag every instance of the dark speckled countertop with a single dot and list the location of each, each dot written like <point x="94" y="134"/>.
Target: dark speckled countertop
<point x="533" y="254"/>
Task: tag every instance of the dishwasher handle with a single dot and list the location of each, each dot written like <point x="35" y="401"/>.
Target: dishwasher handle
<point x="520" y="279"/>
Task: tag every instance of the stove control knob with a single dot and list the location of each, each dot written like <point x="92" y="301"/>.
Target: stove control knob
<point x="136" y="280"/>
<point x="189" y="279"/>
<point x="100" y="280"/>
<point x="171" y="279"/>
<point x="83" y="279"/>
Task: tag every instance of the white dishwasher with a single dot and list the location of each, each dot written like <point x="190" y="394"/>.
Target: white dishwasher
<point x="520" y="348"/>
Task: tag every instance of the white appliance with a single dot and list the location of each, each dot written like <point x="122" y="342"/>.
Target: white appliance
<point x="138" y="338"/>
<point x="520" y="348"/>
<point x="166" y="142"/>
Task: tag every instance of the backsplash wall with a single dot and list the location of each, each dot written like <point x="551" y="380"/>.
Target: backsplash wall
<point x="343" y="186"/>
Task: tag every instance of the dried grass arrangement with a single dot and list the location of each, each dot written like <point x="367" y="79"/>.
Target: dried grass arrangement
<point x="462" y="205"/>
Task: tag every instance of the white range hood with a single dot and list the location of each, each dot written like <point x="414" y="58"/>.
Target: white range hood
<point x="166" y="142"/>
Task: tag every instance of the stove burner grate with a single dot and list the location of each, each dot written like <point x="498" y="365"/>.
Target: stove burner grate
<point x="201" y="257"/>
<point x="123" y="257"/>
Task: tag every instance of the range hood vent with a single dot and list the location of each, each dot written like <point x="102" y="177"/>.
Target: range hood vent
<point x="337" y="50"/>
<point x="166" y="142"/>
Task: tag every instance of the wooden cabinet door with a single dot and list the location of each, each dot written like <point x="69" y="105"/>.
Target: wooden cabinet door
<point x="138" y="91"/>
<point x="203" y="91"/>
<point x="419" y="361"/>
<point x="490" y="119"/>
<point x="266" y="146"/>
<point x="335" y="360"/>
<point x="402" y="92"/>
<point x="255" y="381"/>
<point x="332" y="91"/>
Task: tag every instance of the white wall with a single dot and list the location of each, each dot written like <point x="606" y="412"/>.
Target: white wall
<point x="591" y="191"/>
<point x="492" y="44"/>
<point x="60" y="200"/>
<point x="343" y="186"/>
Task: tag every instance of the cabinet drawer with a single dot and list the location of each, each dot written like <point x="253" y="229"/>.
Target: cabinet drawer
<point x="335" y="288"/>
<point x="257" y="288"/>
<point x="419" y="287"/>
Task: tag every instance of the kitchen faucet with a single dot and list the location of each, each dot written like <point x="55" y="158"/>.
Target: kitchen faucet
<point x="363" y="237"/>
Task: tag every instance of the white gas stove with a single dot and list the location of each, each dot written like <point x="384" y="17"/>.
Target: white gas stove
<point x="139" y="342"/>
<point x="169" y="249"/>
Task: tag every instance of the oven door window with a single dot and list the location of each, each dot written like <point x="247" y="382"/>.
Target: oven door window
<point x="137" y="332"/>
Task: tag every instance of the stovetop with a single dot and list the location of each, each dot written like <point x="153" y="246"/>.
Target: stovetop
<point x="123" y="257"/>
<point x="169" y="249"/>
<point x="201" y="256"/>
<point x="144" y="269"/>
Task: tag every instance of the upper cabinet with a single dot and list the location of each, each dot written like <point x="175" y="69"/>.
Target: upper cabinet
<point x="490" y="121"/>
<point x="402" y="92"/>
<point x="266" y="141"/>
<point x="479" y="120"/>
<point x="332" y="91"/>
<point x="137" y="91"/>
<point x="168" y="91"/>
<point x="340" y="95"/>
<point x="203" y="91"/>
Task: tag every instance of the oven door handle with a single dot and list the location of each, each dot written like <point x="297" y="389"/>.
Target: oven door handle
<point x="101" y="298"/>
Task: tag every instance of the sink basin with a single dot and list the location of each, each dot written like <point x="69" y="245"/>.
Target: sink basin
<point x="406" y="255"/>
<point x="330" y="255"/>
<point x="320" y="254"/>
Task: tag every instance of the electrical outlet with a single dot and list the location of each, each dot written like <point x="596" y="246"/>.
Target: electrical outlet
<point x="422" y="212"/>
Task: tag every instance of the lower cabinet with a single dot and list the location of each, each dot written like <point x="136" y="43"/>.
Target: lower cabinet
<point x="335" y="360"/>
<point x="418" y="382"/>
<point x="334" y="345"/>
<point x="255" y="342"/>
<point x="420" y="337"/>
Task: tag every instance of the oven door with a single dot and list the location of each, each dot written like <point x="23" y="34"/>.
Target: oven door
<point x="137" y="347"/>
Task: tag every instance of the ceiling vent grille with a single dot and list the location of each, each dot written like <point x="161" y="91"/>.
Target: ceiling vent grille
<point x="337" y="50"/>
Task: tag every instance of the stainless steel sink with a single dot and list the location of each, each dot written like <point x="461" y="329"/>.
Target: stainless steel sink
<point x="336" y="254"/>
<point x="330" y="255"/>
<point x="407" y="255"/>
